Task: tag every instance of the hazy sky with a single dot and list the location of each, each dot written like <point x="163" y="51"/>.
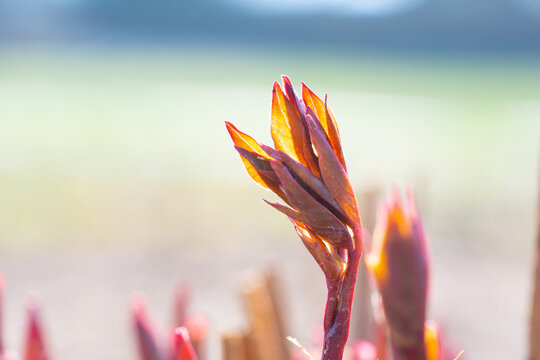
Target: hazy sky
<point x="368" y="7"/>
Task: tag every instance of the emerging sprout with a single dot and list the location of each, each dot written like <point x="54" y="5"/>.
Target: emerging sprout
<point x="399" y="262"/>
<point x="306" y="169"/>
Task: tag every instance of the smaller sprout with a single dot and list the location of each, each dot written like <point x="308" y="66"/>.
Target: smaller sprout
<point x="399" y="262"/>
<point x="35" y="345"/>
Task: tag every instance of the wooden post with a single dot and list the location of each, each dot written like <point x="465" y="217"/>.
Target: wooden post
<point x="265" y="321"/>
<point x="251" y="346"/>
<point x="274" y="287"/>
<point x="233" y="346"/>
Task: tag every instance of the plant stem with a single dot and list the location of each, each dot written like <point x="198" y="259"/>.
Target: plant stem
<point x="340" y="296"/>
<point x="332" y="299"/>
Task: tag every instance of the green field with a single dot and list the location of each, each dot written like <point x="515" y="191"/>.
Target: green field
<point x="94" y="140"/>
<point x="116" y="174"/>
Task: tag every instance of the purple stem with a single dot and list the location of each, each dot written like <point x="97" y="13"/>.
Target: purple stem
<point x="332" y="299"/>
<point x="336" y="332"/>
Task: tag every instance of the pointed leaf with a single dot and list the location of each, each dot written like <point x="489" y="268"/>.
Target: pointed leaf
<point x="307" y="150"/>
<point x="298" y="217"/>
<point x="313" y="185"/>
<point x="293" y="98"/>
<point x="322" y="231"/>
<point x="311" y="159"/>
<point x="261" y="165"/>
<point x="333" y="134"/>
<point x="331" y="266"/>
<point x="312" y="162"/>
<point x="286" y="127"/>
<point x="248" y="144"/>
<point x="312" y="213"/>
<point x="333" y="174"/>
<point x="326" y="119"/>
<point x="316" y="104"/>
<point x="261" y="171"/>
<point x="270" y="151"/>
<point x="244" y="141"/>
<point x="289" y="212"/>
<point x="316" y="121"/>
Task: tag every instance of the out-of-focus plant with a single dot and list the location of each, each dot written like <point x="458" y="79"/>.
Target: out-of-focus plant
<point x="186" y="341"/>
<point x="34" y="346"/>
<point x="399" y="262"/>
<point x="148" y="346"/>
<point x="307" y="171"/>
<point x="363" y="350"/>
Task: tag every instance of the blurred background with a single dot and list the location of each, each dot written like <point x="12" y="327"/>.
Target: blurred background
<point x="117" y="174"/>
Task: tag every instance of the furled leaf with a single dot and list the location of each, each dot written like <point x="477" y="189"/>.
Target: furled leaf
<point x="293" y="98"/>
<point x="310" y="159"/>
<point x="332" y="266"/>
<point x="333" y="174"/>
<point x="247" y="143"/>
<point x="261" y="166"/>
<point x="314" y="102"/>
<point x="334" y="236"/>
<point x="333" y="133"/>
<point x="270" y="151"/>
<point x="286" y="126"/>
<point x="326" y="118"/>
<point x="312" y="162"/>
<point x="313" y="185"/>
<point x="310" y="211"/>
<point x="244" y="141"/>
